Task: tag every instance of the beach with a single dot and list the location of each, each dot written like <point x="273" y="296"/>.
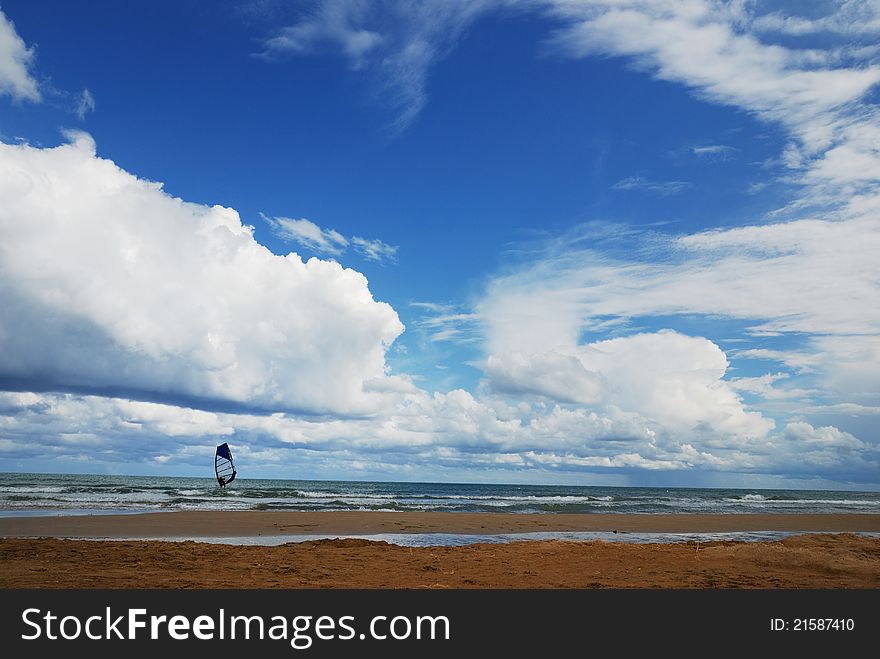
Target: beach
<point x="157" y="550"/>
<point x="194" y="523"/>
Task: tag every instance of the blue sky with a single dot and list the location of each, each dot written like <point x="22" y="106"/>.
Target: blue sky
<point x="516" y="241"/>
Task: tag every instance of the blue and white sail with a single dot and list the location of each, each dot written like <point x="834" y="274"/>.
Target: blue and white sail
<point x="224" y="467"/>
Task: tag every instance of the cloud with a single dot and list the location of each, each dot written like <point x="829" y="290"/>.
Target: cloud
<point x="165" y="308"/>
<point x="447" y="322"/>
<point x="714" y="151"/>
<point x="559" y="377"/>
<point x="328" y="242"/>
<point x="810" y="279"/>
<point x="332" y="26"/>
<point x="85" y="104"/>
<point x="672" y="380"/>
<point x="800" y="362"/>
<point x="805" y="292"/>
<point x="110" y="284"/>
<point x="851" y="409"/>
<point x="765" y="387"/>
<point x="374" y="250"/>
<point x="702" y="45"/>
<point x="394" y="43"/>
<point x="850" y="18"/>
<point x="817" y="280"/>
<point x="721" y="52"/>
<point x="725" y="52"/>
<point x="827" y="437"/>
<point x="308" y="234"/>
<point x="419" y="434"/>
<point x="660" y="187"/>
<point x="16" y="59"/>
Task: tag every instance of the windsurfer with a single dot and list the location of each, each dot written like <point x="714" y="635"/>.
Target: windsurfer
<point x="224" y="468"/>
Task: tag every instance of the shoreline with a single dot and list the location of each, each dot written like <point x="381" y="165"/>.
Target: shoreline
<point x="237" y="524"/>
<point x="121" y="551"/>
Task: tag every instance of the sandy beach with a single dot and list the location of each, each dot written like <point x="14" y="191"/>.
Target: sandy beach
<point x="33" y="549"/>
<point x="193" y="524"/>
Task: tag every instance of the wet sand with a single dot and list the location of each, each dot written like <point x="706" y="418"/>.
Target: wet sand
<point x="195" y="524"/>
<point x="829" y="560"/>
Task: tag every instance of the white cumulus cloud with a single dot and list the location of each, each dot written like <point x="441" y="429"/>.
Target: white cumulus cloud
<point x="109" y="283"/>
<point x="561" y="377"/>
<point x="672" y="380"/>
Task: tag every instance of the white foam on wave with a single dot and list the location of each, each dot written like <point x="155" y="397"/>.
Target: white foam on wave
<point x="27" y="489"/>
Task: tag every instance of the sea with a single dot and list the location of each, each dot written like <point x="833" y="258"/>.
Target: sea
<point x="69" y="494"/>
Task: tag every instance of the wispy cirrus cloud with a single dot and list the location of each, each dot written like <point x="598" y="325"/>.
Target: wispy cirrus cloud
<point x="848" y="17"/>
<point x="728" y="53"/>
<point x="332" y="26"/>
<point x="308" y="234"/>
<point x="712" y="47"/>
<point x="714" y="151"/>
<point x="375" y="249"/>
<point x="395" y="43"/>
<point x="328" y="242"/>
<point x="718" y="51"/>
<point x="647" y="185"/>
<point x="85" y="104"/>
<point x="448" y="322"/>
<point x="708" y="47"/>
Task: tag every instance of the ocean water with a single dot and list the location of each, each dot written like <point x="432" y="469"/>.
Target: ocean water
<point x="65" y="494"/>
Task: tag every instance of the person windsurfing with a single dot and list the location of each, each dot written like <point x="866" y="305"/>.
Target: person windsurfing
<point x="224" y="468"/>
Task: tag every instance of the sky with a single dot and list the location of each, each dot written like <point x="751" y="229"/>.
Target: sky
<point x="592" y="242"/>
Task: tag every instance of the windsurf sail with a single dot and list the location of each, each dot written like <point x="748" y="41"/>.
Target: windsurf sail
<point x="223" y="465"/>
